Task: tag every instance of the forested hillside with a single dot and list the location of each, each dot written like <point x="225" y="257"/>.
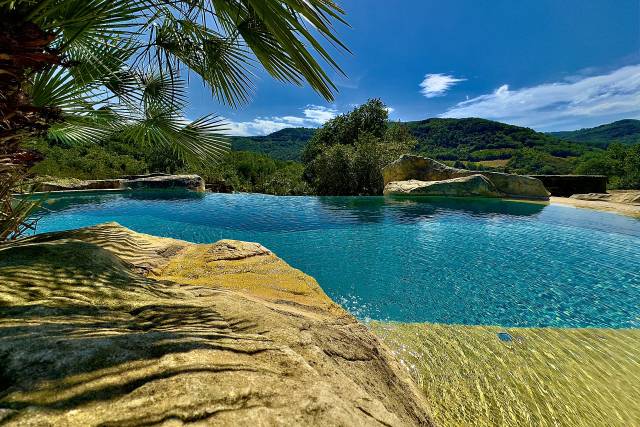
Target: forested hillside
<point x="447" y="139"/>
<point x="285" y="144"/>
<point x="478" y="139"/>
<point x="623" y="131"/>
<point x="271" y="163"/>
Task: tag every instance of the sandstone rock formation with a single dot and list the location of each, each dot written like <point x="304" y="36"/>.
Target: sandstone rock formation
<point x="105" y="326"/>
<point x="473" y="185"/>
<point x="412" y="167"/>
<point x="189" y="182"/>
<point x="627" y="197"/>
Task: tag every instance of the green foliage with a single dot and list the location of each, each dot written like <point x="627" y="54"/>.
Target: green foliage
<point x="623" y="131"/>
<point x="332" y="172"/>
<point x="478" y="139"/>
<point x="444" y="139"/>
<point x="531" y="161"/>
<point x="619" y="162"/>
<point x="114" y="158"/>
<point x="346" y="155"/>
<point x="109" y="46"/>
<point x="285" y="144"/>
<point x="345" y="129"/>
<point x="256" y="173"/>
<point x="86" y="161"/>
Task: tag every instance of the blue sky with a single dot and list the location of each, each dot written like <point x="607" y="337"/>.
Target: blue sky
<point x="545" y="64"/>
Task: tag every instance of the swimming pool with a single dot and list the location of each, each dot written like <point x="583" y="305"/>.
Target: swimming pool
<point x="457" y="261"/>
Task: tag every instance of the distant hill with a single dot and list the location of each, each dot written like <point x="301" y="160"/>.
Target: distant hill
<point x="624" y="131"/>
<point x="448" y="139"/>
<point x="479" y="140"/>
<point x="285" y="144"/>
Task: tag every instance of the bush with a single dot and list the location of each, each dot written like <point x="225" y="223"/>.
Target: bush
<point x="619" y="162"/>
<point x="530" y="161"/>
<point x="254" y="173"/>
<point x="346" y="155"/>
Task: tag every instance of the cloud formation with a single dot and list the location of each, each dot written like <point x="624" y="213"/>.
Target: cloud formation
<point x="312" y="116"/>
<point x="437" y="84"/>
<point x="577" y="102"/>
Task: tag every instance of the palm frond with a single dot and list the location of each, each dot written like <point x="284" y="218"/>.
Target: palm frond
<point x="198" y="141"/>
<point x="276" y="33"/>
<point x="224" y="62"/>
<point x="93" y="126"/>
<point x="57" y="88"/>
<point x="15" y="222"/>
<point x="162" y="89"/>
<point x="88" y="22"/>
<point x="102" y="63"/>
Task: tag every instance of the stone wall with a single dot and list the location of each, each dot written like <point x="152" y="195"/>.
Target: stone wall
<point x="568" y="185"/>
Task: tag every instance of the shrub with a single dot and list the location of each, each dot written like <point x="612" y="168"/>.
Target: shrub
<point x="346" y="155"/>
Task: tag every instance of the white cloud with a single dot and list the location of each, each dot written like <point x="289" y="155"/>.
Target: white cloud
<point x="390" y="110"/>
<point x="437" y="84"/>
<point x="312" y="116"/>
<point x="577" y="102"/>
<point x="318" y="114"/>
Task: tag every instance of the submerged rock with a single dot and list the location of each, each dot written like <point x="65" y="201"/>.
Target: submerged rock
<point x="473" y="185"/>
<point x="105" y="326"/>
<point x="412" y="167"/>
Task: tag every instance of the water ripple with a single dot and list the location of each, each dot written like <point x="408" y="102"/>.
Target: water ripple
<point x="459" y="261"/>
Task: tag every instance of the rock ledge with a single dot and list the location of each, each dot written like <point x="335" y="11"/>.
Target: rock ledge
<point x="105" y="326"/>
<point x="155" y="181"/>
<point x="417" y="168"/>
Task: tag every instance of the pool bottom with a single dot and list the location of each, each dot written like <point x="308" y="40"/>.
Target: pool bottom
<point x="486" y="376"/>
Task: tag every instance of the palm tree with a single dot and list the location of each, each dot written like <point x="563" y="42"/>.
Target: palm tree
<point x="80" y="70"/>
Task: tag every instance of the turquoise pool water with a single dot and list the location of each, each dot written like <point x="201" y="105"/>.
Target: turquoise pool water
<point x="460" y="261"/>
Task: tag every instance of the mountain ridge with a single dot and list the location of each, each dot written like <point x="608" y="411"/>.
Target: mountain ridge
<point x="471" y="139"/>
<point x="626" y="131"/>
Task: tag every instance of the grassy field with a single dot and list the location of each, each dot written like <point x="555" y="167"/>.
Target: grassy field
<point x="499" y="163"/>
<point x="537" y="377"/>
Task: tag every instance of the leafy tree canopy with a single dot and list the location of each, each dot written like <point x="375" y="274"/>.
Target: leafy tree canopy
<point x="346" y="155"/>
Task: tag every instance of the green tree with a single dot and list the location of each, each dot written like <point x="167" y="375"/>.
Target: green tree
<point x="346" y="155"/>
<point x="79" y="70"/>
<point x="345" y="129"/>
<point x="621" y="163"/>
<point x="531" y="161"/>
<point x="631" y="178"/>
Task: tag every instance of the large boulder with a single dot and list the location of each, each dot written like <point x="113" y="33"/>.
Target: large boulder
<point x="105" y="326"/>
<point x="420" y="168"/>
<point x="412" y="167"/>
<point x="473" y="185"/>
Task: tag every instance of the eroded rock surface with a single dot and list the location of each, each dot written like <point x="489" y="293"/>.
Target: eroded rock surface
<point x="627" y="197"/>
<point x="473" y="185"/>
<point x="412" y="167"/>
<point x="105" y="326"/>
<point x="189" y="182"/>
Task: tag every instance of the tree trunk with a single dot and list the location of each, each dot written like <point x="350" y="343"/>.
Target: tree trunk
<point x="24" y="50"/>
